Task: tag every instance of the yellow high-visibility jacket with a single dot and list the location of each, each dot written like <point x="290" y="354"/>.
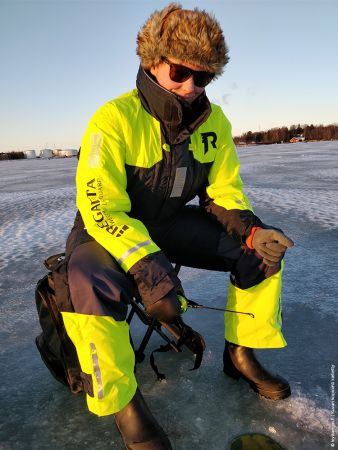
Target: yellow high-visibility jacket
<point x="132" y="171"/>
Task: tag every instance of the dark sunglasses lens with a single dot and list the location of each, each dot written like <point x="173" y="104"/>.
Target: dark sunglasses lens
<point x="179" y="73"/>
<point x="201" y="79"/>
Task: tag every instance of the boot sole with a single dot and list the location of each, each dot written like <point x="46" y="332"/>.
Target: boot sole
<point x="271" y="395"/>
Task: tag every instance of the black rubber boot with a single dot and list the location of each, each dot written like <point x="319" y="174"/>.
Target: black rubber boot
<point x="240" y="362"/>
<point x="138" y="427"/>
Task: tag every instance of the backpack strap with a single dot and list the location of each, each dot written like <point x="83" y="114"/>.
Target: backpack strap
<point x="52" y="262"/>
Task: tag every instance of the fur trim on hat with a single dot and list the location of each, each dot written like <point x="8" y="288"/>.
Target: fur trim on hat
<point x="191" y="36"/>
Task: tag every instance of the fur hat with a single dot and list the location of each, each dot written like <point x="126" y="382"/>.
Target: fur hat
<point x="191" y="36"/>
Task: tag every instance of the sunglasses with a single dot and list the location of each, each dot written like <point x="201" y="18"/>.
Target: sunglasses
<point x="179" y="74"/>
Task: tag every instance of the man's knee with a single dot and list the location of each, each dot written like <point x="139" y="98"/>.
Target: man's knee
<point x="250" y="270"/>
<point x="97" y="285"/>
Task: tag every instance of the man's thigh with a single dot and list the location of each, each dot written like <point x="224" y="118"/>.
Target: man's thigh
<point x="194" y="239"/>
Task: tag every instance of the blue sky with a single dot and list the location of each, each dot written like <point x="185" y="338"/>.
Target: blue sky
<point x="62" y="59"/>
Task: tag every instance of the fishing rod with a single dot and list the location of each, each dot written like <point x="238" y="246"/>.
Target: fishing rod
<point x="195" y="305"/>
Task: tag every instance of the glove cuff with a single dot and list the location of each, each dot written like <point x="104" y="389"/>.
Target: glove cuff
<point x="250" y="237"/>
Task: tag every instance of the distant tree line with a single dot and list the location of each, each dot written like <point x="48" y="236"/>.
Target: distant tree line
<point x="285" y="134"/>
<point x="12" y="155"/>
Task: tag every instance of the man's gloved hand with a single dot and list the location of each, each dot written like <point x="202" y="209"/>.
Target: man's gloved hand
<point x="168" y="308"/>
<point x="271" y="245"/>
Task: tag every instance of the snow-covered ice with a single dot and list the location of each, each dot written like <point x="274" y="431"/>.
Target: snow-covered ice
<point x="293" y="187"/>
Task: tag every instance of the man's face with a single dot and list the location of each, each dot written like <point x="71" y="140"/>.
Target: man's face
<point x="186" y="89"/>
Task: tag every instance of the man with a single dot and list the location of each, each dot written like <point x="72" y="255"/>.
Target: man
<point x="144" y="156"/>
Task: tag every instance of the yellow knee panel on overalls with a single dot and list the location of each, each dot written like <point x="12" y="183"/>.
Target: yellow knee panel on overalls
<point x="262" y="300"/>
<point x="104" y="351"/>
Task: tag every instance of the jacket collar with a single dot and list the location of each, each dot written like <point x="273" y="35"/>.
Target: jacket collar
<point x="178" y="118"/>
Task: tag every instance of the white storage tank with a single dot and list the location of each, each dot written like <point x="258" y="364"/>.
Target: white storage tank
<point x="30" y="154"/>
<point x="70" y="152"/>
<point x="57" y="152"/>
<point x="46" y="153"/>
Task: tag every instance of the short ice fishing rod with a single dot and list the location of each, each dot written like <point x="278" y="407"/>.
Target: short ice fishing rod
<point x="194" y="305"/>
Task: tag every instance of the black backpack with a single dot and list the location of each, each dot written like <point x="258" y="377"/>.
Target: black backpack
<point x="56" y="349"/>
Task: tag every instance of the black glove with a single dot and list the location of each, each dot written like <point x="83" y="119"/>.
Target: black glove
<point x="169" y="307"/>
